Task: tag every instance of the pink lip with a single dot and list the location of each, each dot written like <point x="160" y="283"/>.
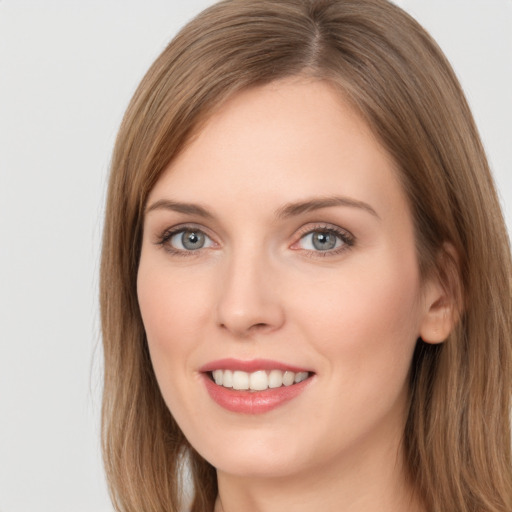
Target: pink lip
<point x="249" y="366"/>
<point x="251" y="402"/>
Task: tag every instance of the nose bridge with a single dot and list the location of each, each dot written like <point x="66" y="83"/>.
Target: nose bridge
<point x="248" y="299"/>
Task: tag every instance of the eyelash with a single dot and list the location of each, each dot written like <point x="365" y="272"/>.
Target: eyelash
<point x="164" y="239"/>
<point x="347" y="240"/>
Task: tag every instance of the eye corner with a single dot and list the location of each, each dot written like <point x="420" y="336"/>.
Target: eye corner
<point x="323" y="240"/>
<point x="174" y="240"/>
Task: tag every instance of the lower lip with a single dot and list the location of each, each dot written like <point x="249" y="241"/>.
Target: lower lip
<point x="253" y="402"/>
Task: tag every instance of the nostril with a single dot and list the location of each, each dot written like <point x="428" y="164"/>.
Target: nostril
<point x="260" y="326"/>
<point x="242" y="331"/>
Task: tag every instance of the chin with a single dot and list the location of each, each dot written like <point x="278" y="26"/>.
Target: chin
<point x="257" y="454"/>
<point x="248" y="466"/>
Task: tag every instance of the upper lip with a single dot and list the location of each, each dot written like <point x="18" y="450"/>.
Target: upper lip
<point x="249" y="366"/>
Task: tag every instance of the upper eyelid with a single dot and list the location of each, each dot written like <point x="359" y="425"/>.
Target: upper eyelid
<point x="163" y="237"/>
<point x="186" y="226"/>
<point x="323" y="226"/>
<point x="347" y="238"/>
<point x="299" y="233"/>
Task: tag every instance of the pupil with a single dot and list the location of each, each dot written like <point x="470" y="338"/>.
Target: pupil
<point x="192" y="240"/>
<point x="324" y="241"/>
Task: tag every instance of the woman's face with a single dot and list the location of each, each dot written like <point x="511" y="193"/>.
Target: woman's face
<point x="279" y="246"/>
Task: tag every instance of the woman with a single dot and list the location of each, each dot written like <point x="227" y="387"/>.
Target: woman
<point x="306" y="279"/>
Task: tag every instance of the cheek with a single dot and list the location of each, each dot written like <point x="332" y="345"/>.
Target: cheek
<point x="365" y="325"/>
<point x="367" y="313"/>
<point x="172" y="305"/>
<point x="171" y="308"/>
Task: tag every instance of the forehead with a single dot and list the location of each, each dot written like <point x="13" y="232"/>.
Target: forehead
<point x="290" y="138"/>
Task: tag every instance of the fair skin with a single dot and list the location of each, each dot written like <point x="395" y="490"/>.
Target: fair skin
<point x="281" y="233"/>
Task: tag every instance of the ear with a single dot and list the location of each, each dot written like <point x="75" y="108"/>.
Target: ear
<point x="442" y="298"/>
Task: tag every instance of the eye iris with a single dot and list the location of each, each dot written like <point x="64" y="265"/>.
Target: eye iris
<point x="323" y="241"/>
<point x="192" y="240"/>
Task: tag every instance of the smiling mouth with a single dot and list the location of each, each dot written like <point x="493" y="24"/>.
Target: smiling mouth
<point x="260" y="380"/>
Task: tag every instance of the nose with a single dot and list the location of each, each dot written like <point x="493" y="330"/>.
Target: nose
<point x="249" y="299"/>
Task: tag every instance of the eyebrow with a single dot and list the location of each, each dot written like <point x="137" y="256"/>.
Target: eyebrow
<point x="175" y="206"/>
<point x="300" y="207"/>
<point x="286" y="211"/>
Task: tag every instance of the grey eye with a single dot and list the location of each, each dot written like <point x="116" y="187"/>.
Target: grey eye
<point x="190" y="240"/>
<point x="321" y="241"/>
<point x="324" y="241"/>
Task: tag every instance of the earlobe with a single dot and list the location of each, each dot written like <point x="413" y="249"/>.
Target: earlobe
<point x="442" y="299"/>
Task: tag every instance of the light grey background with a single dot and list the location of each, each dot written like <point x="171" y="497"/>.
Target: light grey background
<point x="67" y="71"/>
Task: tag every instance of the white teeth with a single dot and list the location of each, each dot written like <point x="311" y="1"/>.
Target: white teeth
<point x="299" y="377"/>
<point x="288" y="378"/>
<point x="240" y="380"/>
<point x="217" y="377"/>
<point x="275" y="379"/>
<point x="257" y="381"/>
<point x="227" y="378"/>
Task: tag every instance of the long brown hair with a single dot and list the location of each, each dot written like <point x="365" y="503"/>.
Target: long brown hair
<point x="457" y="436"/>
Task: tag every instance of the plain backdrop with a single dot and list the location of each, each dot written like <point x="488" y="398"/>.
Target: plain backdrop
<point x="67" y="71"/>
